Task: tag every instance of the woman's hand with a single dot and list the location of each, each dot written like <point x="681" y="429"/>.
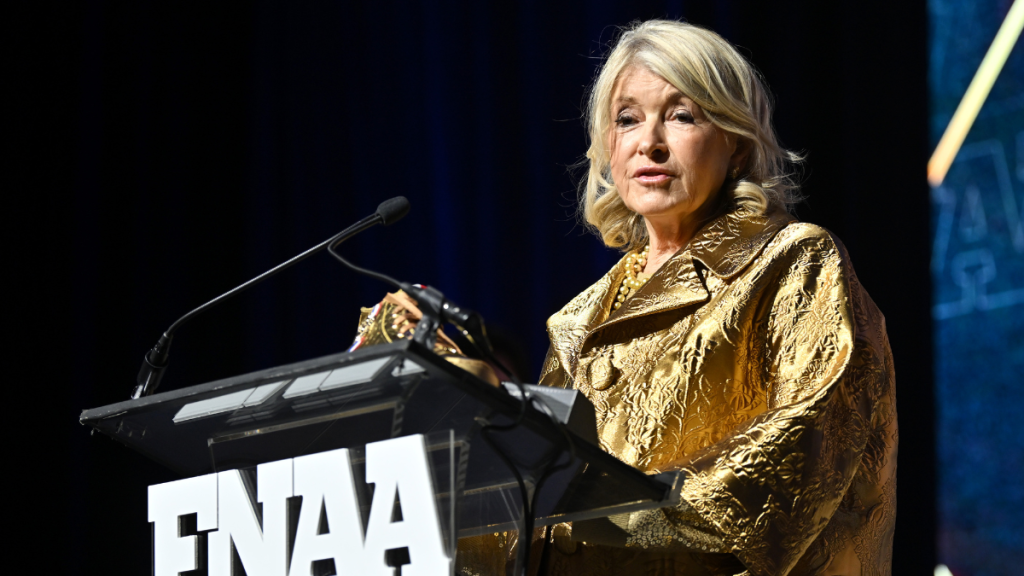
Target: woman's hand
<point x="407" y="315"/>
<point x="396" y="317"/>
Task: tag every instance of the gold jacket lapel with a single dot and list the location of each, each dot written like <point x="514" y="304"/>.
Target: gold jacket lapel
<point x="730" y="242"/>
<point x="725" y="246"/>
<point x="569" y="326"/>
<point x="675" y="285"/>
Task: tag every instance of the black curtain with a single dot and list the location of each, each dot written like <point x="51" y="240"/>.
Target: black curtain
<point x="177" y="150"/>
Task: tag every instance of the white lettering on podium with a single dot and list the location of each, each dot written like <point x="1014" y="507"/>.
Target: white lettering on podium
<point x="263" y="550"/>
<point x="399" y="468"/>
<point x="172" y="552"/>
<point x="329" y="523"/>
<point x="325" y="483"/>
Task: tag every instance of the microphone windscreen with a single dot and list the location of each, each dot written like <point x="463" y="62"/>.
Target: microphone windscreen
<point x="393" y="210"/>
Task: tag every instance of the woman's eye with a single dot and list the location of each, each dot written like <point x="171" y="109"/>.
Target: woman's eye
<point x="625" y="120"/>
<point x="683" y="116"/>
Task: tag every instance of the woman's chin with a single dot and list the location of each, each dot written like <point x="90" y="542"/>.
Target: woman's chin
<point x="663" y="207"/>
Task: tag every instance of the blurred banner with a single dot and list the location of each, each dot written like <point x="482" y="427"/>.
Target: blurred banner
<point x="977" y="178"/>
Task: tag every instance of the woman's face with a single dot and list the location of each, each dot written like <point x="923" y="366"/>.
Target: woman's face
<point x="667" y="159"/>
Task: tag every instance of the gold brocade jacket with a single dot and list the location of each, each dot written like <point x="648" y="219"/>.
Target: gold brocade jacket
<point x="754" y="361"/>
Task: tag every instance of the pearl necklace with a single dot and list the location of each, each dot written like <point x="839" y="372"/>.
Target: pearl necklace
<point x="635" y="262"/>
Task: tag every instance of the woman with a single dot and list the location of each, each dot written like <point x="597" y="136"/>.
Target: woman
<point x="731" y="342"/>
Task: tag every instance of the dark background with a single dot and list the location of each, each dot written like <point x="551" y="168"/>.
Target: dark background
<point x="173" y="151"/>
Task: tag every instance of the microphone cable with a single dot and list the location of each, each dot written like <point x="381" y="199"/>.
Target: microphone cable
<point x="484" y="348"/>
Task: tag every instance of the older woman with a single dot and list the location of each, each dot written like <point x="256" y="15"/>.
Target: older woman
<point x="731" y="341"/>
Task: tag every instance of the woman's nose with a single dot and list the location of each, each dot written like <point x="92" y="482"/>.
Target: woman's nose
<point x="653" y="143"/>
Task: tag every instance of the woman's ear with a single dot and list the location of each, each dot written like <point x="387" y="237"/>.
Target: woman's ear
<point x="742" y="153"/>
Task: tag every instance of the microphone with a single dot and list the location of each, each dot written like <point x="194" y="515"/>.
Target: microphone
<point x="436" y="309"/>
<point x="155" y="362"/>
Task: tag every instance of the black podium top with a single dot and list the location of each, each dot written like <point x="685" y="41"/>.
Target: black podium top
<point x="351" y="399"/>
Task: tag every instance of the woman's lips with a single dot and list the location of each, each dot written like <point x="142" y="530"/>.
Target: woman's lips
<point x="652" y="175"/>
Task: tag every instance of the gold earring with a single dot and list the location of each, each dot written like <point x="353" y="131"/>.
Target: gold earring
<point x="735" y="172"/>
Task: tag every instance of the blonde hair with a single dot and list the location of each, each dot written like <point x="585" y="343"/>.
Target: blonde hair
<point x="711" y="72"/>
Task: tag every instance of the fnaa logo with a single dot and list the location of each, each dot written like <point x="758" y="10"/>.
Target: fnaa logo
<point x="274" y="533"/>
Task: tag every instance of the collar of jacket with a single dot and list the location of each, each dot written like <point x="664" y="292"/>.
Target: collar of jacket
<point x="725" y="246"/>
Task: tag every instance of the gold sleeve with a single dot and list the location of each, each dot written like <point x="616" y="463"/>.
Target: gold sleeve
<point x="771" y="486"/>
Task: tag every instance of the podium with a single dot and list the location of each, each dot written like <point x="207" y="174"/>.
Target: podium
<point x="350" y="402"/>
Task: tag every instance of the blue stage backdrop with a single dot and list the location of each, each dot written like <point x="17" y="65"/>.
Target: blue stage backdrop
<point x="978" y="310"/>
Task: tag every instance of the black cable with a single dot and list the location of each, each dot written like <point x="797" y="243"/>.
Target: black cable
<point x="529" y="503"/>
<point x="524" y="495"/>
<point x="376" y="275"/>
<point x="546" y="472"/>
<point x="526" y="532"/>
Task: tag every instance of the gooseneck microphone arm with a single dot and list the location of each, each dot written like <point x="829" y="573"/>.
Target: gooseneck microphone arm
<point x="437" y="309"/>
<point x="154" y="364"/>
